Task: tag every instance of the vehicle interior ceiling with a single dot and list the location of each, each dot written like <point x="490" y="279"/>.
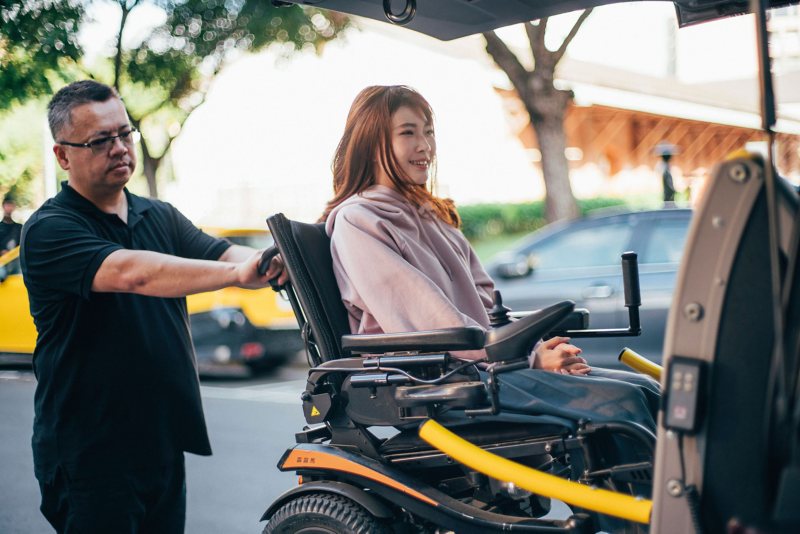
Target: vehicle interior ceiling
<point x="452" y="19"/>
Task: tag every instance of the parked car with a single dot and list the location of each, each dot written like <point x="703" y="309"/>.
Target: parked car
<point x="235" y="331"/>
<point x="238" y="331"/>
<point x="580" y="260"/>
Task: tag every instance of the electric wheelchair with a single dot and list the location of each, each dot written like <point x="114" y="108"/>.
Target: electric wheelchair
<point x="353" y="481"/>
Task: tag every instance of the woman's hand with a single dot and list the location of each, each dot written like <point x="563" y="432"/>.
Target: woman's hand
<point x="558" y="356"/>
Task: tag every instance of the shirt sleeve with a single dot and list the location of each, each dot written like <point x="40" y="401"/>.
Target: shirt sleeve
<point x="61" y="254"/>
<point x="374" y="277"/>
<point x="195" y="244"/>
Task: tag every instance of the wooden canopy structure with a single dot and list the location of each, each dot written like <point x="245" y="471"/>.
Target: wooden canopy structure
<point x="617" y="138"/>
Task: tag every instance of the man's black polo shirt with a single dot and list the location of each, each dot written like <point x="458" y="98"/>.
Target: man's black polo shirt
<point x="118" y="384"/>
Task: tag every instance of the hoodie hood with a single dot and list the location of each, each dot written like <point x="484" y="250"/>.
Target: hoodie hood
<point x="388" y="203"/>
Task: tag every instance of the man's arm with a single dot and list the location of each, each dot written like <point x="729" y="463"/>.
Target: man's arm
<point x="238" y="254"/>
<point x="162" y="275"/>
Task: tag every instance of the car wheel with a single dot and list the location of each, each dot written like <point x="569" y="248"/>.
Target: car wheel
<point x="321" y="513"/>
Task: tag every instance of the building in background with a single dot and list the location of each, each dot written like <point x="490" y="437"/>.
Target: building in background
<point x="618" y="117"/>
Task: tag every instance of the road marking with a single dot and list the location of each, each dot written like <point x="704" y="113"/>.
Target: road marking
<point x="283" y="393"/>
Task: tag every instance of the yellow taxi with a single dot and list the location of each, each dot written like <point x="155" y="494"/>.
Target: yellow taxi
<point x="235" y="331"/>
<point x="17" y="332"/>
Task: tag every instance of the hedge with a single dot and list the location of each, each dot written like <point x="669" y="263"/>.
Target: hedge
<point x="485" y="220"/>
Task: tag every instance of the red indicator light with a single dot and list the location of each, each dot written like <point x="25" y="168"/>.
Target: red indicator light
<point x="251" y="350"/>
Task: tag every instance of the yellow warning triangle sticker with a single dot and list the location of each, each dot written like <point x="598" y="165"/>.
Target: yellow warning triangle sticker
<point x="314" y="411"/>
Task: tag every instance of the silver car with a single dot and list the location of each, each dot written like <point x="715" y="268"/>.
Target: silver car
<point x="580" y="261"/>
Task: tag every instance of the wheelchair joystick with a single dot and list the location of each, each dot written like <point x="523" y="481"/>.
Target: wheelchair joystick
<point x="498" y="315"/>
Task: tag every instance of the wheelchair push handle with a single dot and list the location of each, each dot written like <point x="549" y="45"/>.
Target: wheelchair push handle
<point x="266" y="257"/>
<point x="263" y="265"/>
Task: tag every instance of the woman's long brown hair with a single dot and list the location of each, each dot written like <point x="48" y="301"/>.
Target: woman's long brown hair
<point x="367" y="142"/>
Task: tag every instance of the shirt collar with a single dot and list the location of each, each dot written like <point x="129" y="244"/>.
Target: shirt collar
<point x="72" y="199"/>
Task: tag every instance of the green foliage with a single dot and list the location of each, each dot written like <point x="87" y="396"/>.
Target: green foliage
<point x="163" y="78"/>
<point x="480" y="221"/>
<point x="38" y="39"/>
<point x="199" y="35"/>
<point x="168" y="73"/>
<point x="21" y="146"/>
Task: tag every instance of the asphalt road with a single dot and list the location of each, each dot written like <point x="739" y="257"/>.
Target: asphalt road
<point x="251" y="423"/>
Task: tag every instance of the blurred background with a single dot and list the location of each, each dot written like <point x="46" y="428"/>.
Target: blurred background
<point x="563" y="142"/>
<point x="242" y="123"/>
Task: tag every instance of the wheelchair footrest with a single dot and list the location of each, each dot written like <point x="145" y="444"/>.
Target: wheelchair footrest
<point x="461" y="394"/>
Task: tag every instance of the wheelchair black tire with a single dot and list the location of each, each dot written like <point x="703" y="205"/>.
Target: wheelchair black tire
<point x="323" y="513"/>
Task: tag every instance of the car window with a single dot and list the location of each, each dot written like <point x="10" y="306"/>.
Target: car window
<point x="666" y="241"/>
<point x="587" y="247"/>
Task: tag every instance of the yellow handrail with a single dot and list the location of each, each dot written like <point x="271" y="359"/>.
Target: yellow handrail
<point x="641" y="364"/>
<point x="599" y="500"/>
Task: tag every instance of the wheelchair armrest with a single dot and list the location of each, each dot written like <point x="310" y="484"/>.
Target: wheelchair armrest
<point x="577" y="320"/>
<point x="516" y="340"/>
<point x="447" y="339"/>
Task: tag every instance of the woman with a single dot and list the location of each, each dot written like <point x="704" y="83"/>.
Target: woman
<point x="402" y="265"/>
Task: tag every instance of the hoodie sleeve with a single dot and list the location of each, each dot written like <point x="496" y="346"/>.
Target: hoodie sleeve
<point x="375" y="278"/>
<point x="483" y="282"/>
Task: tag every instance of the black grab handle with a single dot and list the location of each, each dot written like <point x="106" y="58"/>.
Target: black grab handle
<point x="630" y="284"/>
<point x="633" y="299"/>
<point x="403" y="18"/>
<point x="630" y="279"/>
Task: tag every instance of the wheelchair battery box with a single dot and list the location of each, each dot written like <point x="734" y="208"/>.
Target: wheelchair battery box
<point x="318" y="408"/>
<point x="684" y="395"/>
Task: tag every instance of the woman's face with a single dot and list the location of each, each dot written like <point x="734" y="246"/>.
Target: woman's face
<point x="414" y="145"/>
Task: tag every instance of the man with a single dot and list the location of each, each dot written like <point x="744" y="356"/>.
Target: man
<point x="10" y="231"/>
<point x="118" y="398"/>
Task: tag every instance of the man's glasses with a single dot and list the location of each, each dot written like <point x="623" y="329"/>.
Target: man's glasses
<point x="104" y="144"/>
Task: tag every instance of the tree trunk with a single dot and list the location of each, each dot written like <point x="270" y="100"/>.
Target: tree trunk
<point x="150" y="167"/>
<point x="546" y="107"/>
<point x="559" y="201"/>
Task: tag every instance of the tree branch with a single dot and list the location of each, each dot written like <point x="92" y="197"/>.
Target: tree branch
<point x="563" y="48"/>
<point x="506" y="60"/>
<point x="118" y="57"/>
<point x="536" y="38"/>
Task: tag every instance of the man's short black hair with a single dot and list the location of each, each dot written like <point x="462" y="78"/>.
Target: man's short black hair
<point x="59" y="110"/>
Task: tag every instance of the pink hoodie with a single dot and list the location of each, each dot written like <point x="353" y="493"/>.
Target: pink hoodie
<point x="400" y="269"/>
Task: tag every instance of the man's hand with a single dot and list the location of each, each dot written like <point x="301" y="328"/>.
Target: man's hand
<point x="558" y="356"/>
<point x="247" y="272"/>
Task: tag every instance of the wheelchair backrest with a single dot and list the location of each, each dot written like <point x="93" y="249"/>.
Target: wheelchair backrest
<point x="306" y="253"/>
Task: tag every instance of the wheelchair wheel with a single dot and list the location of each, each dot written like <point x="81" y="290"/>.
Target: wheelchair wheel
<point x="323" y="513"/>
